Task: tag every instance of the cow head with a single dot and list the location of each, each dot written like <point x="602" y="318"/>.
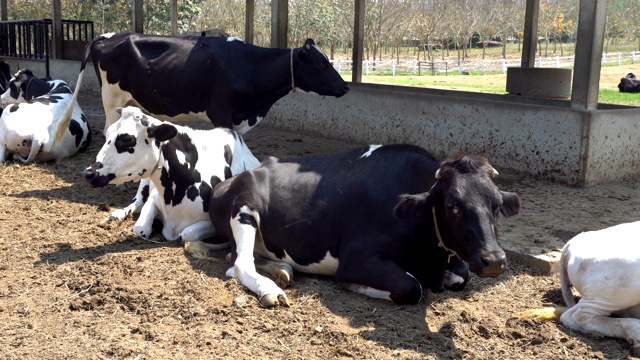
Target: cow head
<point x="312" y="72"/>
<point x="464" y="205"/>
<point x="132" y="149"/>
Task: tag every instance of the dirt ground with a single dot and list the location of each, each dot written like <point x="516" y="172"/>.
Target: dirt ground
<point x="72" y="287"/>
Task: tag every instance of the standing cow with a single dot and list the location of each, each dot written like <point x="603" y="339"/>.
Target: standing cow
<point x="180" y="164"/>
<point x="604" y="267"/>
<point x="43" y="120"/>
<point x="373" y="217"/>
<point x="221" y="79"/>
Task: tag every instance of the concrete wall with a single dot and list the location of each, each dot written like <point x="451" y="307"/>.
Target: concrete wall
<point x="545" y="138"/>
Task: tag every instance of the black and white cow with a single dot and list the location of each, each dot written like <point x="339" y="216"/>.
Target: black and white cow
<point x="374" y="217"/>
<point x="222" y="79"/>
<point x="42" y="120"/>
<point x="182" y="165"/>
<point x="629" y="84"/>
<point x="5" y="75"/>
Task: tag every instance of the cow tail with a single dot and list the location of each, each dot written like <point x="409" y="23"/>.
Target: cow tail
<point x="33" y="152"/>
<point x="565" y="282"/>
<point x="554" y="313"/>
<point x="64" y="122"/>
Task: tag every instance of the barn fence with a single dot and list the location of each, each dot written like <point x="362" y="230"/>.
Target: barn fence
<point x="439" y="67"/>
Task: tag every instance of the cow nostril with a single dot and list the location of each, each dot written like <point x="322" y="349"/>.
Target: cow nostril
<point x="88" y="174"/>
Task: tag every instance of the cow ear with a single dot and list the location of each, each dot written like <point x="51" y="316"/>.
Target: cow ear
<point x="510" y="204"/>
<point x="413" y="207"/>
<point x="162" y="132"/>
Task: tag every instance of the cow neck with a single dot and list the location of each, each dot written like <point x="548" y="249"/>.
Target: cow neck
<point x="440" y="242"/>
<point x="293" y="85"/>
<point x="158" y="166"/>
<point x="26" y="90"/>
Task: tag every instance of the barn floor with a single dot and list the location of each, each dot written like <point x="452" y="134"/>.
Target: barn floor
<point x="74" y="287"/>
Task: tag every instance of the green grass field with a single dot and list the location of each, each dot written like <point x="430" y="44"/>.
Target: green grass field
<point x="496" y="83"/>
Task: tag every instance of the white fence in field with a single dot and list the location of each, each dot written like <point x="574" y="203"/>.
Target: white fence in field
<point x="437" y="67"/>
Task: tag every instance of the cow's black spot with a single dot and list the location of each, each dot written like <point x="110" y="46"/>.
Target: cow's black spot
<point x="228" y="154"/>
<point x="125" y="143"/>
<point x="144" y="121"/>
<point x="14" y="107"/>
<point x="248" y="219"/>
<point x="145" y="193"/>
<point x="60" y="88"/>
<point x="76" y="130"/>
<point x="205" y="192"/>
<point x="178" y="176"/>
<point x="192" y="193"/>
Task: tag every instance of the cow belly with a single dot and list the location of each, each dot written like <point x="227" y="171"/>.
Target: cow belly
<point x="113" y="97"/>
<point x="325" y="266"/>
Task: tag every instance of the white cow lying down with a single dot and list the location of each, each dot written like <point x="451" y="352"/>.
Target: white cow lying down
<point x="604" y="267"/>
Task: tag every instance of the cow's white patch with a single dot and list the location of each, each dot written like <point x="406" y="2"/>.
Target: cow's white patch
<point x="369" y="291"/>
<point x="327" y="266"/>
<point x="181" y="157"/>
<point x="450" y="279"/>
<point x="372" y="148"/>
<point x="235" y="38"/>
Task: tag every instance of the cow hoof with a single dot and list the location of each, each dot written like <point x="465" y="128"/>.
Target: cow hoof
<point x="282" y="278"/>
<point x="197" y="250"/>
<point x="272" y="300"/>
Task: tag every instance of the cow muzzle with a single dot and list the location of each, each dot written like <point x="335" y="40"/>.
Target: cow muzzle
<point x="490" y="264"/>
<point x="93" y="178"/>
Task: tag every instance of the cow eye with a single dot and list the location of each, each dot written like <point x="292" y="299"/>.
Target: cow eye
<point x="454" y="209"/>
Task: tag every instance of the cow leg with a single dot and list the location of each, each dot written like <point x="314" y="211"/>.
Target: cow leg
<point x="198" y="231"/>
<point x="244" y="228"/>
<point x="144" y="224"/>
<point x="592" y="316"/>
<point x="368" y="274"/>
<point x="279" y="271"/>
<point x="144" y="188"/>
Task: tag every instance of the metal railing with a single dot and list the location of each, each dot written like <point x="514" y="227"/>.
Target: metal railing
<point x="414" y="67"/>
<point x="31" y="39"/>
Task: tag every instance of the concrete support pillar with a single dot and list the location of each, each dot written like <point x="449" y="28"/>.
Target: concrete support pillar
<point x="3" y="10"/>
<point x="249" y="21"/>
<point x="137" y="16"/>
<point x="174" y="17"/>
<point x="588" y="58"/>
<point x="56" y="36"/>
<point x="358" y="40"/>
<point x="530" y="40"/>
<point x="279" y="23"/>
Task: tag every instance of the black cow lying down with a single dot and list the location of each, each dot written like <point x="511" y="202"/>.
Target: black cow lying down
<point x="629" y="84"/>
<point x="387" y="220"/>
